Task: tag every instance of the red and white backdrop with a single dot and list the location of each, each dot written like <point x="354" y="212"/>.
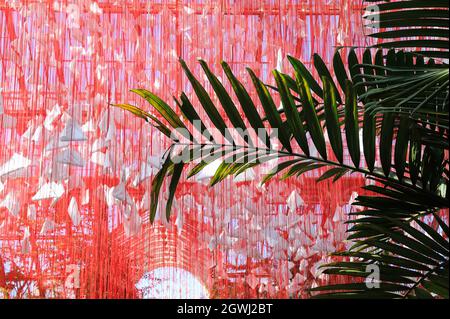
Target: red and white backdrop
<point x="75" y="173"/>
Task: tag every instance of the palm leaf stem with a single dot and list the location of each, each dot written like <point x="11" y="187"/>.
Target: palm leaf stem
<point x="439" y="199"/>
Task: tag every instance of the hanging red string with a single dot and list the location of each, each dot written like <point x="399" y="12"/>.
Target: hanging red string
<point x="76" y="174"/>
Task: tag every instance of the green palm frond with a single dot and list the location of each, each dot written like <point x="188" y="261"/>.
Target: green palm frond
<point x="410" y="256"/>
<point x="297" y="120"/>
<point x="411" y="24"/>
<point x="409" y="84"/>
<point x="408" y="88"/>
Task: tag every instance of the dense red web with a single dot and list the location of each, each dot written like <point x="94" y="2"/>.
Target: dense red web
<point x="76" y="173"/>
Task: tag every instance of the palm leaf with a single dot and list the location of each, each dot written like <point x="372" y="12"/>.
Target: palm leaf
<point x="406" y="17"/>
<point x="306" y="119"/>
